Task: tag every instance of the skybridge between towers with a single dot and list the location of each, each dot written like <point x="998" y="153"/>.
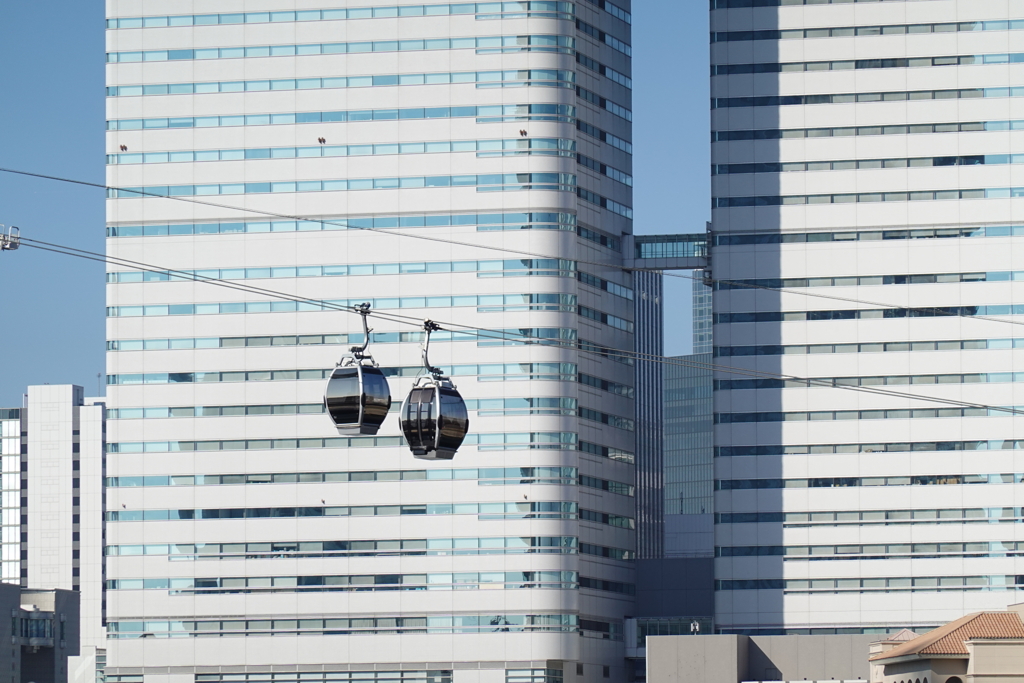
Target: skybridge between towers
<point x="666" y="252"/>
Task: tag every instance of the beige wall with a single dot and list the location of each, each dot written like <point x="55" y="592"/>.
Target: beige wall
<point x="995" y="660"/>
<point x="934" y="670"/>
<point x="795" y="658"/>
<point x="990" y="661"/>
<point x="707" y="659"/>
<point x="730" y="659"/>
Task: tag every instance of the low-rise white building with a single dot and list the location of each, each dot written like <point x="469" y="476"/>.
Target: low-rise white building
<point x="51" y="475"/>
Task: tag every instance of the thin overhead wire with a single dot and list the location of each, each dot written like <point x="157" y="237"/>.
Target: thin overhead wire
<point x="518" y="252"/>
<point x="178" y="274"/>
<point x="493" y="334"/>
<point x="292" y="217"/>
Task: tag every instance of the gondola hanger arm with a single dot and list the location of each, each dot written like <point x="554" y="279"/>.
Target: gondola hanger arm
<point x="359" y="352"/>
<point x="428" y="327"/>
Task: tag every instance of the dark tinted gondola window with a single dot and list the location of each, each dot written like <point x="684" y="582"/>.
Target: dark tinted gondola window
<point x="376" y="396"/>
<point x="454" y="419"/>
<point x="419" y="419"/>
<point x="343" y="396"/>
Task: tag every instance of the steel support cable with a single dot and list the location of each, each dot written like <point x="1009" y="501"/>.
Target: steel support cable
<point x="492" y="334"/>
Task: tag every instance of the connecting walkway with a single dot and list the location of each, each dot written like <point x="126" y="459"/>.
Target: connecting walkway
<point x="666" y="252"/>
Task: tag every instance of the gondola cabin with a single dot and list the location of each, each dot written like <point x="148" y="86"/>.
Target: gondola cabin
<point x="434" y="419"/>
<point x="357" y="398"/>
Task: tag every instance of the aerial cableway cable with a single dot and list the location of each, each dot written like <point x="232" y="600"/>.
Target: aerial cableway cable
<point x="484" y="333"/>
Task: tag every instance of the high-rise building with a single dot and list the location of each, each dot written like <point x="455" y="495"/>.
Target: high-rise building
<point x="675" y="587"/>
<point x="702" y="325"/>
<point x="867" y="212"/>
<point x="650" y="509"/>
<point x="467" y="163"/>
<point x="52" y="451"/>
<point x="689" y="456"/>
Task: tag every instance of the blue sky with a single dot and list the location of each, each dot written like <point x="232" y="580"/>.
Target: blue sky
<point x="672" y="136"/>
<point x="52" y="122"/>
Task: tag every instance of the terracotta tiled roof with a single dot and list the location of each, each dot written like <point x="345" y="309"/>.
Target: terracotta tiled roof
<point x="950" y="639"/>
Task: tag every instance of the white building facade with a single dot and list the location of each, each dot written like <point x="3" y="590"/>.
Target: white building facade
<point x="10" y="534"/>
<point x="467" y="163"/>
<point x="866" y="161"/>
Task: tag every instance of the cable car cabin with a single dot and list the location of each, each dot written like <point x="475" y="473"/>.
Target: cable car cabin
<point x="435" y="420"/>
<point x="357" y="398"/>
